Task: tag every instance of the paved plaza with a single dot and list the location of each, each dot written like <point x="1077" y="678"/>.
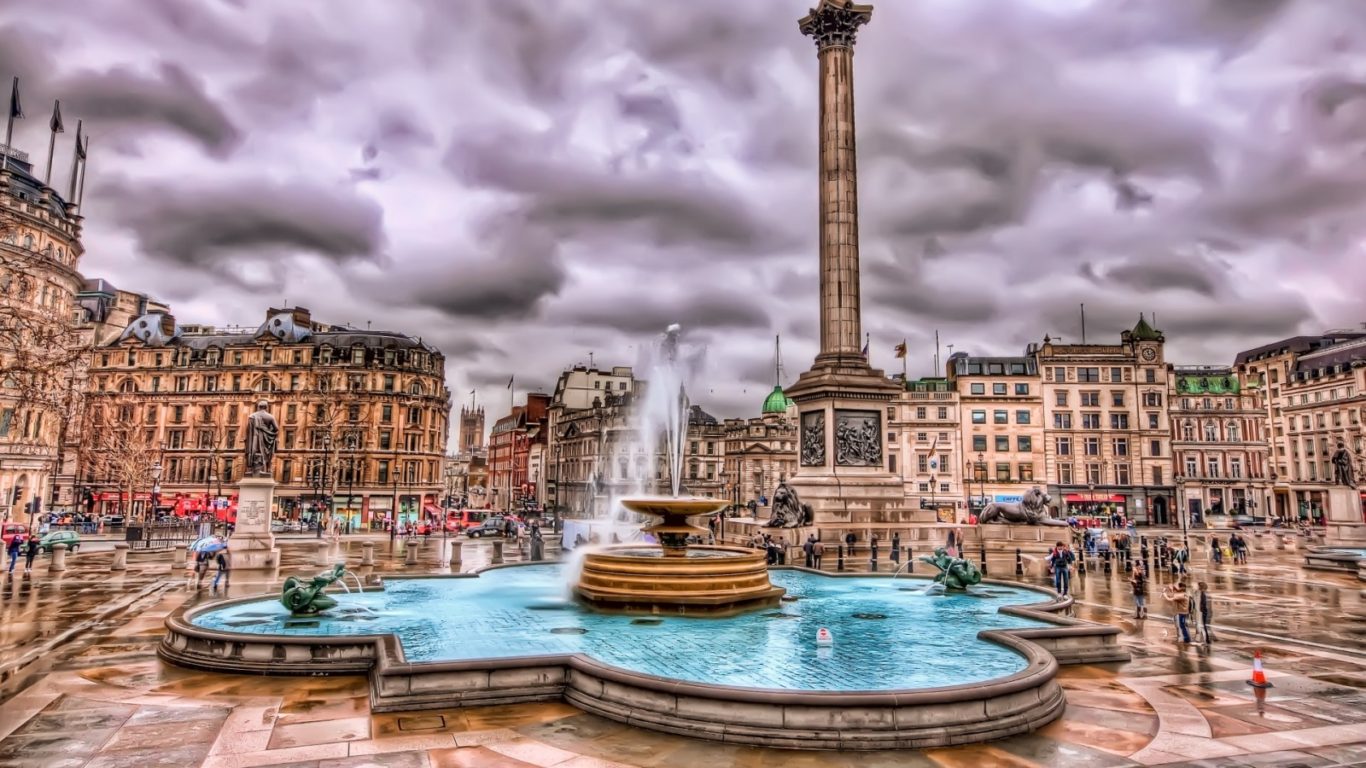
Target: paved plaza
<point x="84" y="687"/>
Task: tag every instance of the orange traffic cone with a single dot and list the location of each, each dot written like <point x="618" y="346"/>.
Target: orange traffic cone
<point x="1258" y="675"/>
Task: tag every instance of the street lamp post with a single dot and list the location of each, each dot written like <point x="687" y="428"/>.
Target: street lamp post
<point x="982" y="478"/>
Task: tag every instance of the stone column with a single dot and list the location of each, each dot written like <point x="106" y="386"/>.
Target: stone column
<point x="120" y="557"/>
<point x="456" y="555"/>
<point x="323" y="557"/>
<point x="58" y="558"/>
<point x="410" y="556"/>
<point x="497" y="551"/>
<point x="178" y="562"/>
<point x="833" y="25"/>
<point x="367" y="556"/>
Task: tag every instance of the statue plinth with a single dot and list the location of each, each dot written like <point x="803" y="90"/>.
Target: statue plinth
<point x="1345" y="522"/>
<point x="252" y="543"/>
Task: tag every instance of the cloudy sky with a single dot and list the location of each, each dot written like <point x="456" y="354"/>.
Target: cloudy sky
<point x="523" y="182"/>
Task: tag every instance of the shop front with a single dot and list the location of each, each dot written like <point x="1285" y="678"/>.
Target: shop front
<point x="1097" y="505"/>
<point x="381" y="512"/>
<point x="349" y="512"/>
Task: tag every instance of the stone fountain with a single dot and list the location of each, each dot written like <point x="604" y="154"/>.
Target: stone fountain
<point x="673" y="577"/>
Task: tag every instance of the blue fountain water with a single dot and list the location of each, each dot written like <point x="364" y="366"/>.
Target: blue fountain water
<point x="888" y="634"/>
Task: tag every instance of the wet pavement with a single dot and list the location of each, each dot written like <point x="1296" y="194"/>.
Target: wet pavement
<point x="83" y="687"/>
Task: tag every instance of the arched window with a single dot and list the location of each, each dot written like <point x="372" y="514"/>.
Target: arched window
<point x="1211" y="432"/>
<point x="1188" y="431"/>
<point x="128" y="385"/>
<point x="416" y="388"/>
<point x="28" y="242"/>
<point x="265" y="385"/>
<point x="1231" y="429"/>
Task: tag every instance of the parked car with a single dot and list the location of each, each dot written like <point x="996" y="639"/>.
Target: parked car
<point x="492" y="527"/>
<point x="11" y="529"/>
<point x="71" y="539"/>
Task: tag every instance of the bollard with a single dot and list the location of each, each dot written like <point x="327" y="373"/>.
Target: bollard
<point x="872" y="562"/>
<point x="839" y="562"/>
<point x="120" y="557"/>
<point x="497" y="551"/>
<point x="910" y="560"/>
<point x="1019" y="562"/>
<point x="1128" y="561"/>
<point x="983" y="554"/>
<point x="410" y="555"/>
<point x="367" y="556"/>
<point x="179" y="563"/>
<point x="321" y="558"/>
<point x="1106" y="558"/>
<point x="58" y="558"/>
<point x="455" y="555"/>
<point x="1081" y="561"/>
<point x="896" y="555"/>
<point x="1143" y="549"/>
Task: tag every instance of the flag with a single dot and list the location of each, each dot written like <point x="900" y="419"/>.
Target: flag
<point x="866" y="340"/>
<point x="56" y="122"/>
<point x="81" y="147"/>
<point x="901" y="349"/>
<point x="16" y="111"/>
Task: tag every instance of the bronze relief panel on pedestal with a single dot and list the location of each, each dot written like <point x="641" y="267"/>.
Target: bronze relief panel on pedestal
<point x="813" y="439"/>
<point x="858" y="438"/>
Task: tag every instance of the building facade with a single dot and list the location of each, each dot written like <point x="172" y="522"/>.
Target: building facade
<point x="759" y="453"/>
<point x="363" y="419"/>
<point x="1219" y="443"/>
<point x="926" y="448"/>
<point x="40" y="353"/>
<point x="513" y="486"/>
<point x="471" y="437"/>
<point x="1001" y="427"/>
<point x="1106" y="431"/>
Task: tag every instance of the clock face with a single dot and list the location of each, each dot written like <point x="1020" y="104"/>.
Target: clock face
<point x="1149" y="354"/>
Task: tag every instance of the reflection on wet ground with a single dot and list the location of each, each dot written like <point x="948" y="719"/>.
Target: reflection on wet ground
<point x="84" y="689"/>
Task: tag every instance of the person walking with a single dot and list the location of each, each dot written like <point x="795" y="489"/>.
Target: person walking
<point x="1138" y="582"/>
<point x="809" y="549"/>
<point x="15" y="545"/>
<point x="224" y="560"/>
<point x="1181" y="606"/>
<point x="817" y="550"/>
<point x="1202" y="601"/>
<point x="1193" y="620"/>
<point x="1216" y="552"/>
<point x="30" y="552"/>
<point x="1060" y="562"/>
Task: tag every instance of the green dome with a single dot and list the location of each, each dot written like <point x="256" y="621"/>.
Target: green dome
<point x="777" y="402"/>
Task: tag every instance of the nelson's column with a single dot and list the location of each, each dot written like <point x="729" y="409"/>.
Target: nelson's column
<point x="842" y="400"/>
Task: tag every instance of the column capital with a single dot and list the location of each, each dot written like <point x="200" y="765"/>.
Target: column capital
<point x="834" y="23"/>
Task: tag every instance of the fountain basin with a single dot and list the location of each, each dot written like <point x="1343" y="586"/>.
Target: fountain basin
<point x="937" y="670"/>
<point x="704" y="580"/>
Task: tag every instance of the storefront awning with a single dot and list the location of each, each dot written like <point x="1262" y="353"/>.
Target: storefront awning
<point x="1097" y="498"/>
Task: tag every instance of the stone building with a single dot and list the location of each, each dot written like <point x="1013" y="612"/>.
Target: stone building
<point x="467" y="479"/>
<point x="1314" y="397"/>
<point x="363" y="418"/>
<point x="927" y="445"/>
<point x="704" y="455"/>
<point x="759" y="453"/>
<point x="1219" y="443"/>
<point x="588" y="405"/>
<point x="471" y="437"/>
<point x="40" y="251"/>
<point x="1001" y="416"/>
<point x="512" y="442"/>
<point x="1106" y="433"/>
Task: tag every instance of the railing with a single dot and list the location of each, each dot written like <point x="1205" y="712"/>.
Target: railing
<point x="158" y="535"/>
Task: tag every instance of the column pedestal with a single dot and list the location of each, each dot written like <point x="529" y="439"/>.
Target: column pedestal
<point x="252" y="543"/>
<point x="1346" y="525"/>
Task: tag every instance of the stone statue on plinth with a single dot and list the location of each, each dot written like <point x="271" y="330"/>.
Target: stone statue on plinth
<point x="1032" y="510"/>
<point x="1343" y="471"/>
<point x="262" y="430"/>
<point x="788" y="509"/>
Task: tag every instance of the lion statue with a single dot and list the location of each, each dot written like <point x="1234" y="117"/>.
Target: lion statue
<point x="1032" y="510"/>
<point x="788" y="509"/>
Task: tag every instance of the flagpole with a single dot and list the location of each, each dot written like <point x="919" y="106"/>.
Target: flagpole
<point x="9" y="124"/>
<point x="75" y="163"/>
<point x="85" y="157"/>
<point x="905" y="353"/>
<point x="56" y="127"/>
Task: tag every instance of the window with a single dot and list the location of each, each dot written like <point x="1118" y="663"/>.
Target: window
<point x="178" y="414"/>
<point x="1022" y="389"/>
<point x="1212" y="464"/>
<point x="920" y="413"/>
<point x="891" y="462"/>
<point x="979" y="442"/>
<point x="1060" y="397"/>
<point x="293" y="382"/>
<point x="922" y="463"/>
<point x="1090" y="421"/>
<point x="267" y="355"/>
<point x="943" y="487"/>
<point x="358" y="355"/>
<point x="289" y="438"/>
<point x="977" y="389"/>
<point x="1065" y="474"/>
<point x="1155" y="449"/>
<point x="1152" y="399"/>
<point x="386" y="438"/>
<point x="1157" y="476"/>
<point x="388" y="382"/>
<point x="1000" y="417"/>
<point x="1003" y="473"/>
<point x="1026" y="473"/>
<point x="1024" y="444"/>
<point x="386" y="413"/>
<point x="921" y="436"/>
<point x="1150" y="376"/>
<point x="1117" y="399"/>
<point x="1022" y="417"/>
<point x="1121" y="474"/>
<point x="979" y="417"/>
<point x="1192" y="467"/>
<point x="286" y="470"/>
<point x="210" y="383"/>
<point x="1152" y="421"/>
<point x="1119" y="421"/>
<point x="998" y="389"/>
<point x="1091" y="446"/>
<point x="1002" y="443"/>
<point x="1064" y="445"/>
<point x="175" y="439"/>
<point x="1233" y="435"/>
<point x="924" y="487"/>
<point x="6" y="419"/>
<point x="182" y="383"/>
<point x="384" y="471"/>
<point x="1062" y="421"/>
<point x="1235" y="467"/>
<point x="291" y="412"/>
<point x="1121" y="446"/>
<point x="1093" y="474"/>
<point x="1088" y="375"/>
<point x="1090" y="398"/>
<point x="943" y="412"/>
<point x="1211" y="433"/>
<point x="1116" y="374"/>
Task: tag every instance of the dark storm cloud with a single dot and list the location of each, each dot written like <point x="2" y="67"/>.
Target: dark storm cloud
<point x="901" y="286"/>
<point x="1155" y="274"/>
<point x="199" y="226"/>
<point x="642" y="310"/>
<point x="171" y="99"/>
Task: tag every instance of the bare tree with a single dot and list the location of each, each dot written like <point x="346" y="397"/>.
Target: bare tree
<point x="117" y="448"/>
